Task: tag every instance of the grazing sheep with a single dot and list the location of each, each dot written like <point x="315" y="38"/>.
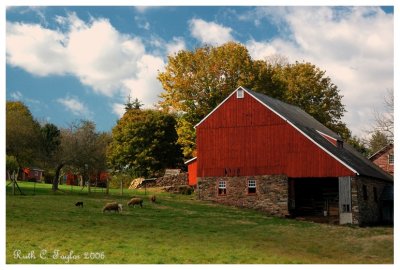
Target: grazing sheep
<point x="112" y="207"/>
<point x="79" y="204"/>
<point x="153" y="198"/>
<point x="120" y="207"/>
<point x="135" y="201"/>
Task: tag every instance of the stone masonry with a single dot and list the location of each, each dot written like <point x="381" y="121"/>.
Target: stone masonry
<point x="271" y="193"/>
<point x="366" y="209"/>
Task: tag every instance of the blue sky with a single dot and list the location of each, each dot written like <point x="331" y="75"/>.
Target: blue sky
<point x="69" y="63"/>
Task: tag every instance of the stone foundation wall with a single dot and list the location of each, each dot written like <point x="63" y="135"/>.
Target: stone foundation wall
<point x="271" y="193"/>
<point x="366" y="211"/>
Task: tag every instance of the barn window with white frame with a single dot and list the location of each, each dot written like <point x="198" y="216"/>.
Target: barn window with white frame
<point x="251" y="186"/>
<point x="222" y="188"/>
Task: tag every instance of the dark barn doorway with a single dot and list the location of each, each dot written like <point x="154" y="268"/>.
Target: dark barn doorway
<point x="315" y="199"/>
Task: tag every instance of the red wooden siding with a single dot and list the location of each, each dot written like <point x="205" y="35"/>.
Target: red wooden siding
<point x="382" y="160"/>
<point x="192" y="171"/>
<point x="243" y="137"/>
<point x="329" y="138"/>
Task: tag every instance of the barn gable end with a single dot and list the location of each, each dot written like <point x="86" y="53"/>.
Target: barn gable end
<point x="245" y="137"/>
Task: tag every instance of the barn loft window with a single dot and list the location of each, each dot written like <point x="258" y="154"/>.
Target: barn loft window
<point x="391" y="159"/>
<point x="222" y="188"/>
<point x="251" y="186"/>
<point x="240" y="93"/>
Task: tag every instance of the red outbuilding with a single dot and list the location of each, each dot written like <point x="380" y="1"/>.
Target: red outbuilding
<point x="258" y="152"/>
<point x="384" y="158"/>
<point x="192" y="171"/>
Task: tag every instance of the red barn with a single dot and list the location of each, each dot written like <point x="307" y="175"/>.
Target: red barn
<point x="384" y="158"/>
<point x="256" y="151"/>
<point x="32" y="174"/>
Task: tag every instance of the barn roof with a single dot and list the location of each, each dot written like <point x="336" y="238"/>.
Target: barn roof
<point x="312" y="129"/>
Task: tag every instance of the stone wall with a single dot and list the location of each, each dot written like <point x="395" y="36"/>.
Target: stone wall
<point x="366" y="211"/>
<point x="271" y="193"/>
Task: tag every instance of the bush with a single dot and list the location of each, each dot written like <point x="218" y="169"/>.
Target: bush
<point x="185" y="190"/>
<point x="115" y="181"/>
<point x="11" y="164"/>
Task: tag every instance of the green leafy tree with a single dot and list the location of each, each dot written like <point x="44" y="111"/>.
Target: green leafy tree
<point x="11" y="164"/>
<point x="144" y="142"/>
<point x="82" y="150"/>
<point x="306" y="86"/>
<point x="377" y="141"/>
<point x="22" y="133"/>
<point x="359" y="144"/>
<point x="195" y="82"/>
<point x="133" y="105"/>
<point x="50" y="143"/>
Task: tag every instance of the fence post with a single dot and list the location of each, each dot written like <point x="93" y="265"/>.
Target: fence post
<point x="107" y="186"/>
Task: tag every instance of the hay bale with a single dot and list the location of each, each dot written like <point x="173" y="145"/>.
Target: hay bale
<point x="136" y="183"/>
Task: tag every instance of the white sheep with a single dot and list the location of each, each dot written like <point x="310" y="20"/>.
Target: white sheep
<point x="112" y="207"/>
<point x="135" y="201"/>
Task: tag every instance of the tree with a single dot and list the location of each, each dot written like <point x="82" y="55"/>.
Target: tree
<point x="384" y="122"/>
<point x="82" y="149"/>
<point x="377" y="141"/>
<point x="50" y="143"/>
<point x="359" y="144"/>
<point x="144" y="142"/>
<point x="135" y="104"/>
<point x="306" y="86"/>
<point x="196" y="82"/>
<point x="11" y="164"/>
<point x="22" y="133"/>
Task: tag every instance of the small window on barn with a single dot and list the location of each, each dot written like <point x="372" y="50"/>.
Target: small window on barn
<point x="240" y="93"/>
<point x="345" y="208"/>
<point x="375" y="194"/>
<point x="251" y="186"/>
<point x="365" y="192"/>
<point x="391" y="159"/>
<point x="222" y="188"/>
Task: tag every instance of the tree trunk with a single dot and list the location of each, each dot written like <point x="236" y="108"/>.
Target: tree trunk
<point x="55" y="180"/>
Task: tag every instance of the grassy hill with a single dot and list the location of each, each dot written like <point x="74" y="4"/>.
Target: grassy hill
<point x="48" y="228"/>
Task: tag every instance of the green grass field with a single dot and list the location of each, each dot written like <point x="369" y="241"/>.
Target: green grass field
<point x="48" y="228"/>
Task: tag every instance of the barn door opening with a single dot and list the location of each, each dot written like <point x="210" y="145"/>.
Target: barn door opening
<point x="346" y="216"/>
<point x="315" y="199"/>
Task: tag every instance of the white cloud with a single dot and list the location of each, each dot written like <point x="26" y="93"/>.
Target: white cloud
<point x="353" y="45"/>
<point x="73" y="105"/>
<point x="177" y="44"/>
<point x="210" y="32"/>
<point x="118" y="109"/>
<point x="150" y="66"/>
<point x="146" y="79"/>
<point x="95" y="52"/>
<point x="37" y="50"/>
<point x="17" y="95"/>
<point x="142" y="23"/>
